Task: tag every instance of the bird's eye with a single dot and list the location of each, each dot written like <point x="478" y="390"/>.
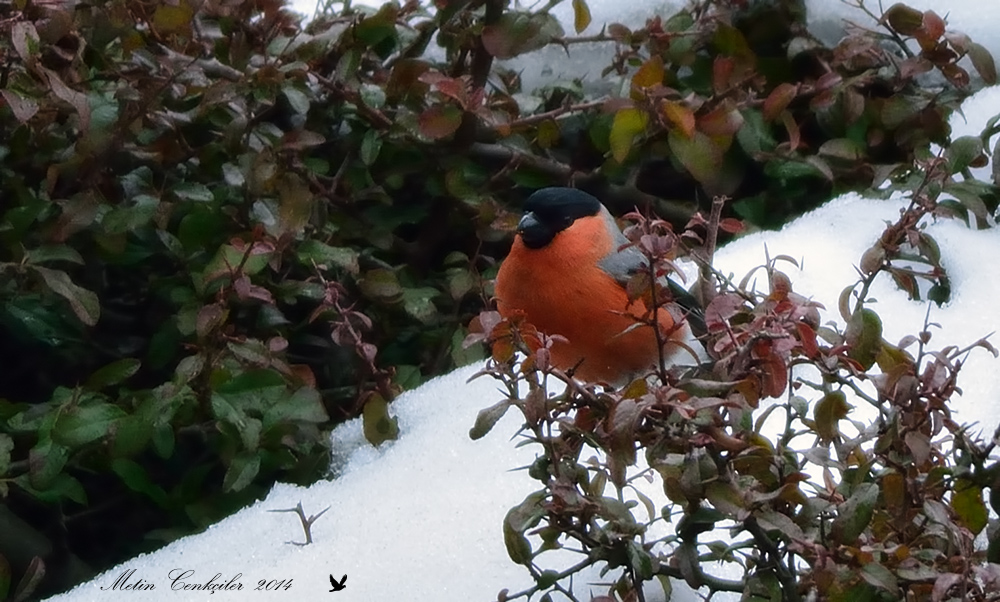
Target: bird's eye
<point x="565" y="222"/>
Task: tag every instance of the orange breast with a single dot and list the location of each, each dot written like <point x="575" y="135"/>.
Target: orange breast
<point x="562" y="290"/>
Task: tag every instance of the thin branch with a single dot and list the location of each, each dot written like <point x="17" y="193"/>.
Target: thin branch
<point x="554" y="113"/>
<point x="708" y="291"/>
<point x="790" y="591"/>
<point x="372" y="115"/>
<point x="307" y="523"/>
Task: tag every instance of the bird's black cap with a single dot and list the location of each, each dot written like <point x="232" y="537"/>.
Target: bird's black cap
<point x="549" y="211"/>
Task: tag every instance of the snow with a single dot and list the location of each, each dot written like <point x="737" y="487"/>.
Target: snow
<point x="420" y="518"/>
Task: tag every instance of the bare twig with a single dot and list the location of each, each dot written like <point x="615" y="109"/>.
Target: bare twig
<point x="307" y="523"/>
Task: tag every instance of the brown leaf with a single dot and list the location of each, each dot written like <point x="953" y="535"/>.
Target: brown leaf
<point x="170" y="18"/>
<point x="84" y="303"/>
<point x="649" y="74"/>
<point x="209" y="318"/>
<point x="919" y="445"/>
<point x="680" y="117"/>
<point x="828" y="412"/>
<point x="77" y="100"/>
<point x="723" y="121"/>
<point x="24" y="36"/>
<point x="722" y="72"/>
<point x="778" y="100"/>
<point x="581" y="15"/>
<point x="296" y="205"/>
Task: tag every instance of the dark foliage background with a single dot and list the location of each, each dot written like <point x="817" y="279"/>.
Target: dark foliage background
<point x="222" y="232"/>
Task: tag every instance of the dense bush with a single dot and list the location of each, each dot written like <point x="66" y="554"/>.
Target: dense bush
<point x="220" y="232"/>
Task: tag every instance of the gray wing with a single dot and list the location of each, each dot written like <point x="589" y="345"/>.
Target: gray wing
<point x="623" y="264"/>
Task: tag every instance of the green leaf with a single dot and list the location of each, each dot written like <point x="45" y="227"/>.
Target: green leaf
<point x="904" y="19"/>
<point x="45" y="461"/>
<point x="771" y="520"/>
<point x="418" y="303"/>
<point x="304" y="405"/>
<point x="252" y="391"/>
<point x="842" y="148"/>
<point x="251" y="351"/>
<point x="79" y="425"/>
<point x="519" y="519"/>
<point x="627" y="125"/>
<point x="188" y="368"/>
<point x="726" y="498"/>
<point x="61" y="487"/>
<point x="327" y="257"/>
<point x="297" y="99"/>
<point x="241" y="472"/>
<point x="698" y="154"/>
<point x="487" y="418"/>
<point x="6" y="446"/>
<point x="854" y="514"/>
<point x="879" y="576"/>
<point x="192" y="191"/>
<point x="983" y="61"/>
<point x="131" y="435"/>
<point x="378" y="425"/>
<point x="378" y="31"/>
<point x="755" y="135"/>
<point x="969" y="195"/>
<point x="967" y="502"/>
<point x="640" y="560"/>
<point x="864" y="335"/>
<point x="47" y="253"/>
<point x="963" y="152"/>
<point x="382" y="285"/>
<point x="83" y="302"/>
<point x="828" y="412"/>
<point x="128" y="217"/>
<point x="164" y="440"/>
<point x="371" y="144"/>
<point x="137" y="479"/>
<point x="113" y="374"/>
<point x="518" y="32"/>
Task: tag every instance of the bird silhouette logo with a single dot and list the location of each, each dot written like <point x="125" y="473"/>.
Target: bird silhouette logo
<point x="338" y="585"/>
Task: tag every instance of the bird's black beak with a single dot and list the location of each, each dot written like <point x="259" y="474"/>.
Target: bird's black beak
<point x="528" y="221"/>
<point x="535" y="233"/>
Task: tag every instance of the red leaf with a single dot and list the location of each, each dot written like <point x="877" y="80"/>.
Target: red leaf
<point x="807" y="337"/>
<point x="722" y="72"/>
<point x="440" y="121"/>
<point x="932" y="26"/>
<point x="778" y="100"/>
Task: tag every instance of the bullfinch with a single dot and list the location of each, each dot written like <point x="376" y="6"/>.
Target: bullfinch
<point x="567" y="272"/>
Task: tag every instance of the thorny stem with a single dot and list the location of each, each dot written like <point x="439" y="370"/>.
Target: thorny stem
<point x="307" y="523"/>
<point x="661" y="365"/>
<point x="563" y="110"/>
<point x="708" y="291"/>
<point x="560" y="576"/>
<point x="860" y="5"/>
